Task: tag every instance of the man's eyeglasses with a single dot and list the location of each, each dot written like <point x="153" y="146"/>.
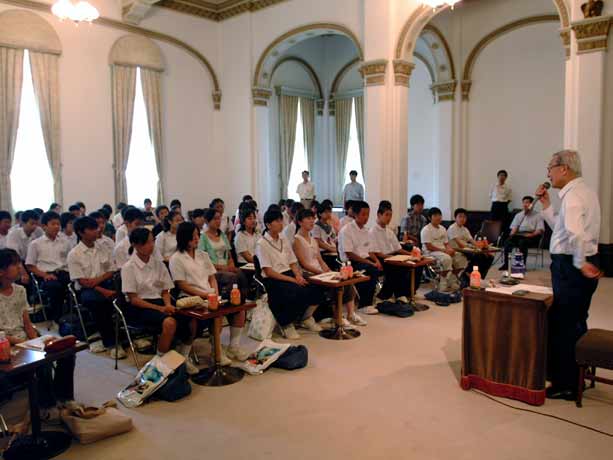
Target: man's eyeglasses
<point x="550" y="167"/>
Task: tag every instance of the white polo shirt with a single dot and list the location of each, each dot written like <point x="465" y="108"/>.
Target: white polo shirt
<point x="455" y="232"/>
<point x="354" y="239"/>
<point x="306" y="191"/>
<point x="345" y="220"/>
<point x="121" y="253"/>
<point x="48" y="255"/>
<point x="106" y="244"/>
<point x="121" y="233"/>
<point x="245" y="242"/>
<point x="166" y="243"/>
<point x="194" y="271"/>
<point x="383" y="240"/>
<point x="72" y="239"/>
<point x="277" y="255"/>
<point x="435" y="236"/>
<point x="289" y="232"/>
<point x="3" y="241"/>
<point x="19" y="241"/>
<point x="146" y="280"/>
<point x="84" y="262"/>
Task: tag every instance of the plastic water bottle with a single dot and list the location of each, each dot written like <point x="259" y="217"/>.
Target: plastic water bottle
<point x="5" y="348"/>
<point x="518" y="267"/>
<point x="235" y="295"/>
<point x="349" y="270"/>
<point x="475" y="278"/>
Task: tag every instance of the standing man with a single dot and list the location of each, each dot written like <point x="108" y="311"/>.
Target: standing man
<point x="500" y="196"/>
<point x="574" y="270"/>
<point x="354" y="191"/>
<point x="306" y="190"/>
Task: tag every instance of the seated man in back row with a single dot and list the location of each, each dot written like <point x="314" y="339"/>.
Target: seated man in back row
<point x="526" y="230"/>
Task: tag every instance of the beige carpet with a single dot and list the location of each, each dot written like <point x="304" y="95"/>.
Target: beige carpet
<point x="393" y="393"/>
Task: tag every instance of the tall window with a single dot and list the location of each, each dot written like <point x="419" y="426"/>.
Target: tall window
<point x="31" y="178"/>
<point x="141" y="173"/>
<point x="354" y="161"/>
<point x="300" y="162"/>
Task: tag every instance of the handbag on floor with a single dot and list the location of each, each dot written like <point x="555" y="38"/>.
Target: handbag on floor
<point x="176" y="387"/>
<point x="261" y="359"/>
<point x="262" y="321"/>
<point x="295" y="357"/>
<point x="400" y="309"/>
<point x="91" y="424"/>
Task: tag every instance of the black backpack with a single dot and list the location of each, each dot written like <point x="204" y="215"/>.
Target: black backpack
<point x="400" y="309"/>
<point x="70" y="325"/>
<point x="177" y="387"/>
<point x="295" y="357"/>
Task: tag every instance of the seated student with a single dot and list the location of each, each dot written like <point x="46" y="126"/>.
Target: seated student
<point x="354" y="245"/>
<point x="75" y="210"/>
<point x="176" y="204"/>
<point x="384" y="243"/>
<point x="133" y="219"/>
<point x="290" y="229"/>
<point x="148" y="211"/>
<point x="166" y="242"/>
<point x="147" y="283"/>
<point x="309" y="257"/>
<point x="246" y="237"/>
<point x="314" y="207"/>
<point x="225" y="225"/>
<point x="436" y="244"/>
<point x="526" y="230"/>
<point x="67" y="222"/>
<point x="55" y="380"/>
<point x="348" y="217"/>
<point x="92" y="270"/>
<point x="335" y="222"/>
<point x="104" y="243"/>
<point x="5" y="226"/>
<point x="323" y="232"/>
<point x="118" y="218"/>
<point x="245" y="199"/>
<point x="414" y="222"/>
<point x="108" y="230"/>
<point x="244" y="207"/>
<point x="198" y="219"/>
<point x="82" y="208"/>
<point x="160" y="213"/>
<point x="214" y="242"/>
<point x="19" y="238"/>
<point x="55" y="207"/>
<point x="460" y="238"/>
<point x="290" y="297"/>
<point x="285" y="205"/>
<point x="17" y="223"/>
<point x="46" y="259"/>
<point x="122" y="231"/>
<point x="194" y="274"/>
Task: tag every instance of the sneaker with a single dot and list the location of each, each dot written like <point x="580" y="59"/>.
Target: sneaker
<point x="357" y="320"/>
<point x="289" y="332"/>
<point x="403" y="299"/>
<point x="50" y="416"/>
<point x="224" y="359"/>
<point x="311" y="325"/>
<point x="346" y="322"/>
<point x="237" y="353"/>
<point x="118" y="353"/>
<point x="97" y="347"/>
<point x="370" y="310"/>
<point x="191" y="367"/>
<point x="142" y="344"/>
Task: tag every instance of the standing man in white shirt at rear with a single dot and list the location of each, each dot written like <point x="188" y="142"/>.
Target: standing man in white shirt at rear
<point x="306" y="190"/>
<point x="574" y="270"/>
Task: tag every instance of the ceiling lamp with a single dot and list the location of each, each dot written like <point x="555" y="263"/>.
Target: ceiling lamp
<point x="434" y="4"/>
<point x="77" y="12"/>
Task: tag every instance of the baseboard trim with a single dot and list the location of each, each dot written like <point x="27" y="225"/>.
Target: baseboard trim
<point x="606" y="259"/>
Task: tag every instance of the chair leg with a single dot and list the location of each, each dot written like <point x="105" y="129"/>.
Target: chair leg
<point x="132" y="350"/>
<point x="580" y="385"/>
<point x="77" y="307"/>
<point x="593" y="379"/>
<point x="116" y="336"/>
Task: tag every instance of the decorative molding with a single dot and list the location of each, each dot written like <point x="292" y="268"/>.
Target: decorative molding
<point x="341" y="74"/>
<point x="217" y="100"/>
<point x="592" y="34"/>
<point x="438" y="34"/>
<point x="349" y="94"/>
<point x="332" y="107"/>
<point x="298" y="92"/>
<point x="373" y="72"/>
<point x="261" y="96"/>
<point x="112" y="23"/>
<point x="402" y="72"/>
<point x="307" y="67"/>
<point x="217" y="11"/>
<point x="406" y="28"/>
<point x="492" y="36"/>
<point x="563" y="12"/>
<point x="466" y="85"/>
<point x="320" y="105"/>
<point x="565" y="35"/>
<point x="445" y="91"/>
<point x="134" y="11"/>
<point x="425" y="62"/>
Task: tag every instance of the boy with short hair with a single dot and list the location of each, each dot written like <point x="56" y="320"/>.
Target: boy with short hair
<point x="55" y="380"/>
<point x="160" y="213"/>
<point x="413" y="223"/>
<point x="198" y="219"/>
<point x="19" y="238"/>
<point x="5" y="226"/>
<point x="460" y="238"/>
<point x="46" y="259"/>
<point x="103" y="242"/>
<point x="133" y="218"/>
<point x="75" y="210"/>
<point x="67" y="220"/>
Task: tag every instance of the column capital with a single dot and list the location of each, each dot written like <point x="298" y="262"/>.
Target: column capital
<point x="261" y="96"/>
<point x="565" y="36"/>
<point x="445" y="90"/>
<point x="402" y="72"/>
<point x="319" y="105"/>
<point x="217" y="100"/>
<point x="592" y="34"/>
<point x="332" y="106"/>
<point x="373" y="72"/>
<point x="466" y="85"/>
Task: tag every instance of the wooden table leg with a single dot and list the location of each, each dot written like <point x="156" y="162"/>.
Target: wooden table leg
<point x="414" y="305"/>
<point x="339" y="332"/>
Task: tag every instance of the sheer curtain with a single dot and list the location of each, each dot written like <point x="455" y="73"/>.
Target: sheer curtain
<point x="45" y="70"/>
<point x="152" y="92"/>
<point x="124" y="87"/>
<point x="359" y="121"/>
<point x="307" y="107"/>
<point x="288" y="116"/>
<point x="11" y="77"/>
<point x="343" y="126"/>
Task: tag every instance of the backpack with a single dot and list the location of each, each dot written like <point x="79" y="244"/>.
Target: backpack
<point x="295" y="357"/>
<point x="400" y="309"/>
<point x="70" y="325"/>
<point x="177" y="387"/>
<point x="443" y="299"/>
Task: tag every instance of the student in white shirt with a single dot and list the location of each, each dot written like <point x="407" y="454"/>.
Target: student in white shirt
<point x="348" y="217"/>
<point x="133" y="219"/>
<point x="46" y="259"/>
<point x="290" y="230"/>
<point x="147" y="283"/>
<point x="194" y="274"/>
<point x="436" y="244"/>
<point x="384" y="244"/>
<point x="500" y="196"/>
<point x="20" y="236"/>
<point x="166" y="242"/>
<point x="527" y="228"/>
<point x="354" y="246"/>
<point x="5" y="226"/>
<point x="67" y="221"/>
<point x="290" y="296"/>
<point x="104" y="243"/>
<point x="323" y="232"/>
<point x="285" y="205"/>
<point x="226" y="225"/>
<point x="92" y="270"/>
<point x="306" y="190"/>
<point x="246" y="237"/>
<point x="198" y="219"/>
<point x="309" y="257"/>
<point x="459" y="238"/>
<point x="118" y="217"/>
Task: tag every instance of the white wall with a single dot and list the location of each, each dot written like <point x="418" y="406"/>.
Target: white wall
<point x="423" y="128"/>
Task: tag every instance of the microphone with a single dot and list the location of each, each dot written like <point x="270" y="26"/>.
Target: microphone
<point x="546" y="186"/>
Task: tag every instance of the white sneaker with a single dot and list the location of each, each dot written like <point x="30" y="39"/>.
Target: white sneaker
<point x="311" y="325"/>
<point x="224" y="359"/>
<point x="357" y="320"/>
<point x="345" y="322"/>
<point x="370" y="310"/>
<point x="97" y="347"/>
<point x="289" y="332"/>
<point x="191" y="367"/>
<point x="50" y="416"/>
<point x="142" y="344"/>
<point x="118" y="352"/>
<point x="237" y="353"/>
<point x="402" y="299"/>
<point x="453" y="282"/>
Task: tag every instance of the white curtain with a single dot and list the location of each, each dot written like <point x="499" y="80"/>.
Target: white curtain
<point x="45" y="79"/>
<point x="359" y="121"/>
<point x="152" y="92"/>
<point x="123" y="81"/>
<point x="308" y="121"/>
<point x="288" y="117"/>
<point x="11" y="78"/>
<point x="343" y="127"/>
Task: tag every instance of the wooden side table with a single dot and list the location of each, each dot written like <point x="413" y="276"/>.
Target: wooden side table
<point x="409" y="265"/>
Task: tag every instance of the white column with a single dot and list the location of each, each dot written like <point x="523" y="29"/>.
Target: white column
<point x="260" y="141"/>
